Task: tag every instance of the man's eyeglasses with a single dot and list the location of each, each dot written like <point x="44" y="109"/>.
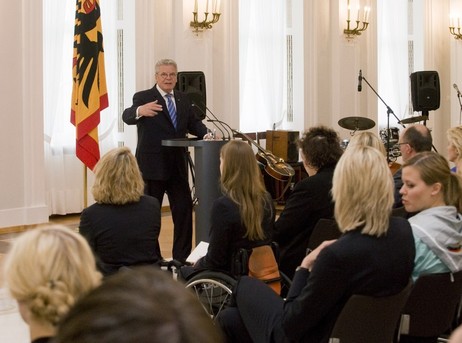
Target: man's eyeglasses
<point x="402" y="143"/>
<point x="165" y="75"/>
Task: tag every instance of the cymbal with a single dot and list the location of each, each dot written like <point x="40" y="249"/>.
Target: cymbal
<point x="413" y="119"/>
<point x="356" y="123"/>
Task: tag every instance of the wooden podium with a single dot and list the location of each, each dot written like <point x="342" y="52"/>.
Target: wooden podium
<point x="207" y="179"/>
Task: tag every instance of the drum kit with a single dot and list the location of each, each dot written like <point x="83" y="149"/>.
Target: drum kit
<point x="389" y="137"/>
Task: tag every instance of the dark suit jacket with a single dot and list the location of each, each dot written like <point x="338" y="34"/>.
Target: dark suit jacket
<point x="156" y="161"/>
<point x="122" y="235"/>
<point x="355" y="264"/>
<point x="398" y="185"/>
<point x="309" y="201"/>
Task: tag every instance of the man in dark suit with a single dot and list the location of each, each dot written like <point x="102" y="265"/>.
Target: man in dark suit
<point x="161" y="113"/>
<point x="412" y="140"/>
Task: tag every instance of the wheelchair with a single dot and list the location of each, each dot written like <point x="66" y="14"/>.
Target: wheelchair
<point x="214" y="288"/>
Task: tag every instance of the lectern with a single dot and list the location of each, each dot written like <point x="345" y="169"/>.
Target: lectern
<point x="207" y="173"/>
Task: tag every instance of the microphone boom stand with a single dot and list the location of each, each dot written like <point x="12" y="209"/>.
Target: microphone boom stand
<point x="389" y="111"/>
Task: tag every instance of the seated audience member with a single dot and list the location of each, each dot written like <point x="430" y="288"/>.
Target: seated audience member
<point x="46" y="271"/>
<point x="310" y="199"/>
<point x="143" y="305"/>
<point x="456" y="335"/>
<point x="374" y="257"/>
<point x="366" y="138"/>
<point x="244" y="216"/>
<point x="412" y="140"/>
<point x="454" y="135"/>
<point x="123" y="225"/>
<point x="431" y="189"/>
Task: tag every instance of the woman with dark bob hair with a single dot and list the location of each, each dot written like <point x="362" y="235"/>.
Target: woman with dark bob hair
<point x="143" y="305"/>
<point x="123" y="226"/>
<point x="310" y="199"/>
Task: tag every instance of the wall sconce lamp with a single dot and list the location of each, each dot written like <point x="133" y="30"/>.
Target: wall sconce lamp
<point x="452" y="29"/>
<point x="199" y="26"/>
<point x="361" y="26"/>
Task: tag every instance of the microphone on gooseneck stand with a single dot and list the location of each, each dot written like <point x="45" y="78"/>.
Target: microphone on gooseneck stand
<point x="209" y="120"/>
<point x="228" y="128"/>
<point x="360" y="78"/>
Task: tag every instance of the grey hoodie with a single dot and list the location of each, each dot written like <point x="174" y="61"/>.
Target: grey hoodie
<point x="440" y="228"/>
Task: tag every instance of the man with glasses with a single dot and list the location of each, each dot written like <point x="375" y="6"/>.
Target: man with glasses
<point x="164" y="113"/>
<point x="412" y="140"/>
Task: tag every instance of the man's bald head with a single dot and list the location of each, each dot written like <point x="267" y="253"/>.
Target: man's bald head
<point x="415" y="139"/>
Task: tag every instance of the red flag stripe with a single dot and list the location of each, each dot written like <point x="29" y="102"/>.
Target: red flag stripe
<point x="88" y="150"/>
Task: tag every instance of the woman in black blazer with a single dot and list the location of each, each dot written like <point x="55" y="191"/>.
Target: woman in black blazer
<point x="123" y="226"/>
<point x="311" y="198"/>
<point x="374" y="257"/>
<point x="244" y="216"/>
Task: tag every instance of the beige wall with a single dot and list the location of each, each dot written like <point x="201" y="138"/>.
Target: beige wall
<point x="22" y="180"/>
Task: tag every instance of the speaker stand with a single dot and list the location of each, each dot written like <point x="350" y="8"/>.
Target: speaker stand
<point x="426" y="115"/>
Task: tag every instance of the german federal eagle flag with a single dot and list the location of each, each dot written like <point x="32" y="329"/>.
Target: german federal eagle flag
<point x="89" y="93"/>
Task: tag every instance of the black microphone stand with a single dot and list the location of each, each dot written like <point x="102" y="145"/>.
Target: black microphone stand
<point x="210" y="120"/>
<point x="222" y="123"/>
<point x="460" y="105"/>
<point x="389" y="111"/>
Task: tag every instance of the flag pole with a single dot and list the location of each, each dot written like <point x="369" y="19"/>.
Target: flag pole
<point x="85" y="182"/>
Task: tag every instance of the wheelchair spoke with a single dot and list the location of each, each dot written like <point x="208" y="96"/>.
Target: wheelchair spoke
<point x="213" y="295"/>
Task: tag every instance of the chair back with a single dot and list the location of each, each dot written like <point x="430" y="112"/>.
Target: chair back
<point x="432" y="305"/>
<point x="261" y="263"/>
<point x="263" y="266"/>
<point x="369" y="319"/>
<point x="324" y="230"/>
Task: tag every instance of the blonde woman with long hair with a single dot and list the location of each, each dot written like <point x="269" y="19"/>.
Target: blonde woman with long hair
<point x="374" y="257"/>
<point x="244" y="216"/>
<point x="47" y="270"/>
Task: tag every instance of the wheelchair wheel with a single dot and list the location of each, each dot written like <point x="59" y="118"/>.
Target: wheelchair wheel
<point x="213" y="289"/>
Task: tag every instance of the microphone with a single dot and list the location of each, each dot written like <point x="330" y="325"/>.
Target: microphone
<point x="227" y="128"/>
<point x="457" y="90"/>
<point x="360" y="78"/>
<point x="224" y="125"/>
<point x="209" y="120"/>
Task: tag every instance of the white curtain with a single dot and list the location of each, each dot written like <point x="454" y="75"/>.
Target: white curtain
<point x="393" y="66"/>
<point x="65" y="173"/>
<point x="261" y="62"/>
